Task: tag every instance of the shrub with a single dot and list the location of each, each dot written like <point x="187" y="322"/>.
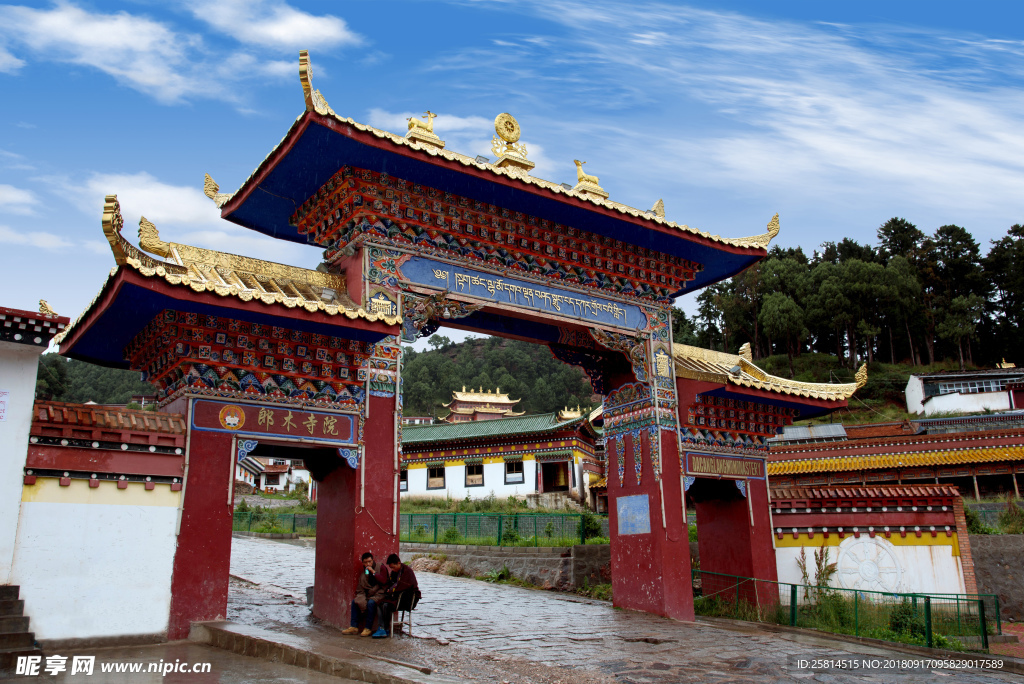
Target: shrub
<point x="591" y="525"/>
<point x="502" y="575"/>
<point x="693" y="532"/>
<point x="904" y="619"/>
<point x="451" y="536"/>
<point x="974" y="522"/>
<point x="242" y="507"/>
<point x="599" y="540"/>
<point x="549" y="529"/>
<point x="510" y="535"/>
<point x="1011" y="521"/>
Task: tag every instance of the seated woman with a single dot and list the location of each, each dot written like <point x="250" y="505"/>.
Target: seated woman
<point x="399" y="579"/>
<point x="364" y="606"/>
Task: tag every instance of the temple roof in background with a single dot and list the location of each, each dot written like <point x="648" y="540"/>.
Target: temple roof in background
<point x="414" y="435"/>
<point x="739" y="370"/>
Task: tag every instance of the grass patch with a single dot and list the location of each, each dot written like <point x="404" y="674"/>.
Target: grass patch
<point x="488" y="504"/>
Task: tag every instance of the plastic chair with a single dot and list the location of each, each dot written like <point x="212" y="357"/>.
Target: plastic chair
<point x="407" y="602"/>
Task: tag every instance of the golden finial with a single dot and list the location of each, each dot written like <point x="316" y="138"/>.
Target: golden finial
<point x="45" y="309"/>
<point x="586" y="183"/>
<point x="861" y="376"/>
<point x="212" y="190"/>
<point x="659" y="209"/>
<point x="506" y="147"/>
<point x="315" y="102"/>
<point x="423" y="131"/>
<point x="112" y="224"/>
<point x="763" y="239"/>
<point x="745" y="352"/>
<point x="149" y="239"/>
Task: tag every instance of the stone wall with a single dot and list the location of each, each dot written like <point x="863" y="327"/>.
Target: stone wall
<point x="560" y="567"/>
<point x="998" y="559"/>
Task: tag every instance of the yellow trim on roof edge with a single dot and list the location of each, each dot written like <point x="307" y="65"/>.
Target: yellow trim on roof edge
<point x="888" y="461"/>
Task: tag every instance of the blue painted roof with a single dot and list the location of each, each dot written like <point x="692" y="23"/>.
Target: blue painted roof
<point x="311" y="154"/>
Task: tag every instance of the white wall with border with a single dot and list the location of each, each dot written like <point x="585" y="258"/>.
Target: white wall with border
<point x="967" y="403"/>
<point x="18" y="366"/>
<point x="919" y="568"/>
<point x="96" y="562"/>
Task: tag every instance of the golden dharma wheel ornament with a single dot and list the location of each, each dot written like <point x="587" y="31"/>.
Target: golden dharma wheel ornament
<point x="507" y="128"/>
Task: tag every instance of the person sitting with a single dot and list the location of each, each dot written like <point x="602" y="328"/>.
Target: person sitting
<point x="364" y="606"/>
<point x="399" y="579"/>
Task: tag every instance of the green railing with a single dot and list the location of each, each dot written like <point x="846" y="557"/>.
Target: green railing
<point x="950" y="621"/>
<point x="492" y="529"/>
<point x="268" y="521"/>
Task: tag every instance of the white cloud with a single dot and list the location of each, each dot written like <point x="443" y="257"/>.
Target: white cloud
<point x="275" y="24"/>
<point x="152" y="56"/>
<point x="137" y="51"/>
<point x="831" y="117"/>
<point x="181" y="213"/>
<point x="33" y="239"/>
<point x="8" y="62"/>
<point x="15" y="200"/>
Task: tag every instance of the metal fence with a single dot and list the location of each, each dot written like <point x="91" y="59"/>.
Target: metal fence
<point x="950" y="621"/>
<point x="989" y="512"/>
<point x="494" y="529"/>
<point x="265" y="520"/>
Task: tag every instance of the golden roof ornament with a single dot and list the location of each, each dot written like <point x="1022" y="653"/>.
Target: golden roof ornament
<point x="506" y="147"/>
<point x="212" y="190"/>
<point x="586" y="183"/>
<point x="745" y="352"/>
<point x="861" y="377"/>
<point x="658" y="209"/>
<point x="45" y="309"/>
<point x="315" y="102"/>
<point x="423" y="131"/>
<point x="149" y="239"/>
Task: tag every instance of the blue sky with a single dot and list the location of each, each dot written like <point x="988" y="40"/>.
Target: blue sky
<point x="837" y="116"/>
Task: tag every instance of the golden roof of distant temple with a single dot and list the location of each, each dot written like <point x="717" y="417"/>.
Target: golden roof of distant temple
<point x="495" y="397"/>
<point x="511" y="163"/>
<point x="695" y="363"/>
<point x="228" y="275"/>
<point x="570" y="414"/>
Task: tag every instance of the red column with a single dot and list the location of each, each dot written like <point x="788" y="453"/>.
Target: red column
<point x="344" y="529"/>
<point x="650" y="571"/>
<point x="202" y="560"/>
<point x="729" y="544"/>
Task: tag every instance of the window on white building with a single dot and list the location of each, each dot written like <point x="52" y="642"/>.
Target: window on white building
<point x="514" y="473"/>
<point x="474" y="474"/>
<point x="403" y="480"/>
<point x="272" y="480"/>
<point x="435" y="477"/>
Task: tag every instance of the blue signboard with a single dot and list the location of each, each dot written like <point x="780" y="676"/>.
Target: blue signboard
<point x="522" y="294"/>
<point x="634" y="514"/>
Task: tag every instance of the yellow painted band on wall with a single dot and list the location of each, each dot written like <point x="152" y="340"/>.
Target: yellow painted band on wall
<point x="48" y="490"/>
<point x="417" y="466"/>
<point x="926" y="539"/>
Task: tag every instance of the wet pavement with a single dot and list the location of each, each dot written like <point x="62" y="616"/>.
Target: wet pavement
<point x="481" y="632"/>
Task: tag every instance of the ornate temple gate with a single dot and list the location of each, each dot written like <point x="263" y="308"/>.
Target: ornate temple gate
<point x="416" y="237"/>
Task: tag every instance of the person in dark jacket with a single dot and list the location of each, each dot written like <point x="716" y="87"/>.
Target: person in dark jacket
<point x="400" y="578"/>
<point x="364" y="606"/>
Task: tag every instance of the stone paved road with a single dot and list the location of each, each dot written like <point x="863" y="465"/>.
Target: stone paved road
<point x="560" y="631"/>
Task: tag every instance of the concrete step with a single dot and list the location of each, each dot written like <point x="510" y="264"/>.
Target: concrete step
<point x="320" y="655"/>
<point x="9" y="592"/>
<point x="12" y="640"/>
<point x="11" y="607"/>
<point x="13" y="623"/>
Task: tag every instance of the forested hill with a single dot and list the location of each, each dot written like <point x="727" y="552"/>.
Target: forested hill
<point x="62" y="379"/>
<point x="913" y="299"/>
<point x="525" y="371"/>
